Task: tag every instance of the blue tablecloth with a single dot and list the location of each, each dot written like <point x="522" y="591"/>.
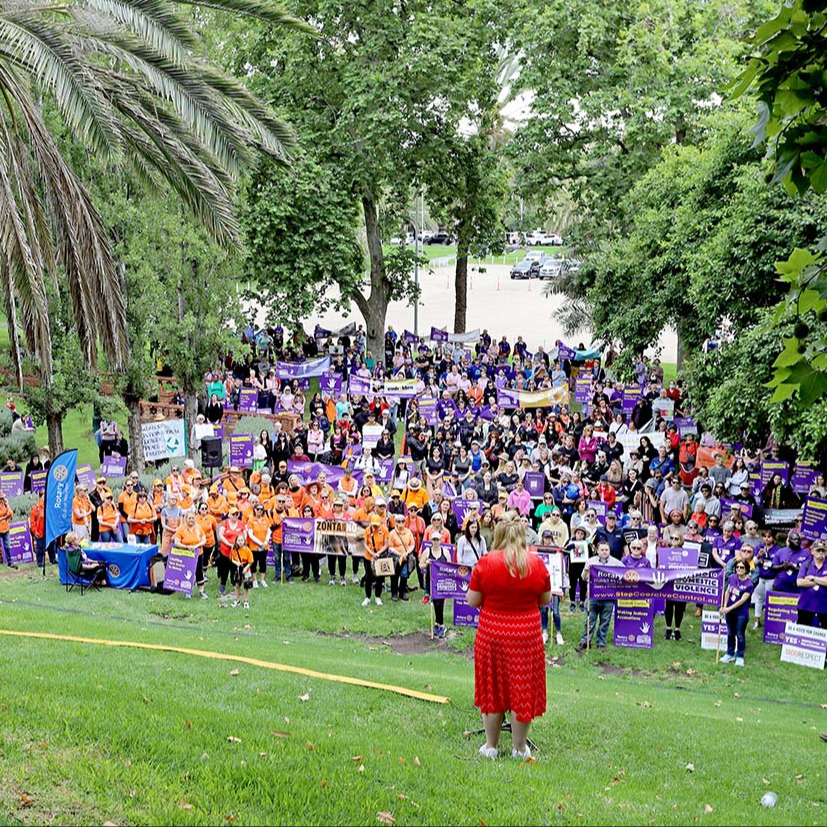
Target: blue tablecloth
<point x="127" y="566"/>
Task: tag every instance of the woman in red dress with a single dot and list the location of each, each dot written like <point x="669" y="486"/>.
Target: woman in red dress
<point x="509" y="585"/>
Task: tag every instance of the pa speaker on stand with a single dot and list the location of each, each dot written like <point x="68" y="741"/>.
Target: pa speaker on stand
<point x="212" y="452"/>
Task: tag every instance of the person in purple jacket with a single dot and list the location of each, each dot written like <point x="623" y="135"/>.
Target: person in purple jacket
<point x="788" y="562"/>
<point x="736" y="612"/>
<point x="636" y="559"/>
<point x="765" y="556"/>
<point x="724" y="547"/>
<point x="812" y="580"/>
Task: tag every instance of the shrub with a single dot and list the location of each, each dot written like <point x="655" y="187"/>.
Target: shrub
<point x="20" y="446"/>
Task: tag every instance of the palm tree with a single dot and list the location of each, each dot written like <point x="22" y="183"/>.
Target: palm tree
<point x="127" y="79"/>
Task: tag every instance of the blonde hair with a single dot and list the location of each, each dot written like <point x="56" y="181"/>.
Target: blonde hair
<point x="509" y="535"/>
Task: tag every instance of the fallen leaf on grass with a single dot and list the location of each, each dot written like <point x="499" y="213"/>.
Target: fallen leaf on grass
<point x="262" y="755"/>
<point x="189" y="724"/>
<point x="824" y="706"/>
<point x="361" y="767"/>
<point x="286" y="720"/>
<point x="280" y="733"/>
<point x="385" y="817"/>
<point x="25" y="800"/>
<point x="305" y="697"/>
<point x="690" y="767"/>
<point x="110" y="824"/>
<point x="719" y="703"/>
<point x="310" y="746"/>
<point x="482" y="823"/>
<point x="234" y="672"/>
<point x="402" y="796"/>
<point x="356" y="758"/>
<point x="765" y="780"/>
<point x="230" y="818"/>
<point x="417" y="762"/>
<point x="233" y="740"/>
<point x="708" y="809"/>
<point x="690" y="672"/>
<point x="736" y="694"/>
<point x="740" y="720"/>
<point x="530" y="760"/>
<point x="324" y="783"/>
<point x="184" y="804"/>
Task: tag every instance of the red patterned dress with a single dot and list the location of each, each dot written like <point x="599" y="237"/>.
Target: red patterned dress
<point x="509" y="656"/>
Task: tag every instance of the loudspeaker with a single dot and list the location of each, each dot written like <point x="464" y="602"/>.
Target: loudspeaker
<point x="211" y="452"/>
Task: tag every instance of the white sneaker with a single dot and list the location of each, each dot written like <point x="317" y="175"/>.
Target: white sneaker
<point x="378" y="601"/>
<point x="264" y="584"/>
<point x="332" y="581"/>
<point x="246" y="604"/>
<point x="726" y="659"/>
<point x="203" y="595"/>
<point x="526" y="753"/>
<point x="235" y="603"/>
<point x="545" y="637"/>
<point x="739" y="661"/>
<point x="342" y="581"/>
<point x="560" y="641"/>
<point x="366" y="601"/>
<point x="355" y="579"/>
<point x="488" y="752"/>
<point x="188" y="596"/>
<point x="255" y="584"/>
<point x="756" y="625"/>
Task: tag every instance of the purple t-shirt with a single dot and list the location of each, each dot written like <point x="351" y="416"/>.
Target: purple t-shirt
<point x="631" y="563"/>
<point x="736" y="590"/>
<point x="765" y="559"/>
<point x="726" y="548"/>
<point x="814" y="598"/>
<point x="785" y="581"/>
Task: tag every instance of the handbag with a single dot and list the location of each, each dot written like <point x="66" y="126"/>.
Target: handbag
<point x="384" y="567"/>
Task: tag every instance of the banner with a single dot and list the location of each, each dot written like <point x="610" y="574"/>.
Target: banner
<point x="780" y="608"/>
<point x="38" y="480"/>
<point x="60" y="489"/>
<point x="804" y="645"/>
<point x="804" y="477"/>
<point x="11" y="483"/>
<point x="686" y="586"/>
<point x="180" y="572"/>
<point x="331" y="384"/>
<point x="303" y="370"/>
<point x="564" y="352"/>
<point x="248" y="400"/>
<point x="438" y="335"/>
<point x="469" y="338"/>
<point x="21" y="547"/>
<point x="309" y="471"/>
<point x="507" y="398"/>
<point x="360" y="385"/>
<point x="410" y="338"/>
<point x="678" y="558"/>
<point x="465" y="615"/>
<point x="545" y="398"/>
<point x="338" y="537"/>
<point x="86" y="476"/>
<point x="774" y="466"/>
<point x="113" y="466"/>
<point x="164" y="440"/>
<point x="814" y="519"/>
<point x="634" y="624"/>
<point x="705" y="457"/>
<point x="241" y="450"/>
<point x="686" y="425"/>
<point x="298" y="534"/>
<point x="448" y="580"/>
<point x="535" y="484"/>
<point x="555" y="565"/>
<point x="713" y="631"/>
<point x="401" y="388"/>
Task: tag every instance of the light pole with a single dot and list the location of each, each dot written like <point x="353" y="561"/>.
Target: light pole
<point x="416" y="264"/>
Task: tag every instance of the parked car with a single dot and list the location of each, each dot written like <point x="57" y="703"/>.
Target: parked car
<point x="555" y="240"/>
<point x="536" y="238"/>
<point x="525" y="269"/>
<point x="570" y="266"/>
<point x="551" y="267"/>
<point x="440" y="238"/>
<point x="534" y="255"/>
<point x="397" y="240"/>
<point x="409" y="238"/>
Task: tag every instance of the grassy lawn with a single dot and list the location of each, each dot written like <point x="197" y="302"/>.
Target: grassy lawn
<point x="93" y="734"/>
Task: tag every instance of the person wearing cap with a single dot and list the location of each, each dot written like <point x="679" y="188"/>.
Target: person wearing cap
<point x="337" y="547"/>
<point x="140" y="519"/>
<point x="613" y="535"/>
<point x="217" y="503"/>
<point x="6" y="516"/>
<point x="745" y="494"/>
<point x="108" y="519"/>
<point x="282" y="509"/>
<point x="82" y="512"/>
<point x="415" y="494"/>
<point x="812" y="581"/>
<point x="231" y="530"/>
<point x="376" y="537"/>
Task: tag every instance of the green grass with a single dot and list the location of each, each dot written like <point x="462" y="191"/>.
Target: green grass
<point x="94" y="734"/>
<point x="433" y="251"/>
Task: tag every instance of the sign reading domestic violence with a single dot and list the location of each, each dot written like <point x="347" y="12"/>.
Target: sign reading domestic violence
<point x="683" y="585"/>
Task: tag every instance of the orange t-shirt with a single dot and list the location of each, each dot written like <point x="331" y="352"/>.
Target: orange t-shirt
<point x="6" y="515"/>
<point x="37" y="520"/>
<point x="246" y="509"/>
<point x="207" y="524"/>
<point x="188" y="535"/>
<point x="144" y="514"/>
<point x="127" y="502"/>
<point x="258" y="527"/>
<point x="276" y="519"/>
<point x="217" y="506"/>
<point x="108" y="516"/>
<point x="376" y="539"/>
<point x="81" y="511"/>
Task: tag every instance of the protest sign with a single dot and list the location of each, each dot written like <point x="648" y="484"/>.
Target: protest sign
<point x="683" y="585"/>
<point x="384" y="470"/>
<point x="338" y="537"/>
<point x="300" y="370"/>
<point x="448" y="580"/>
<point x="86" y="476"/>
<point x="309" y="471"/>
<point x="774" y="466"/>
<point x="11" y="483"/>
<point x="462" y="508"/>
<point x="804" y="645"/>
<point x="579" y="551"/>
<point x="438" y="335"/>
<point x="780" y="608"/>
<point x="113" y="466"/>
<point x="555" y="565"/>
<point x="630" y="397"/>
<point x="241" y="450"/>
<point x="582" y="389"/>
<point x="535" y="484"/>
<point x="330" y="384"/>
<point x="248" y="400"/>
<point x="664" y="408"/>
<point x="21" y="547"/>
<point x="678" y="558"/>
<point x="814" y="519"/>
<point x="804" y="477"/>
<point x="371" y="435"/>
<point x="634" y="624"/>
<point x="599" y="507"/>
<point x="685" y="425"/>
<point x="298" y="534"/>
<point x="427" y="410"/>
<point x="38" y="479"/>
<point x="164" y="440"/>
<point x="180" y="571"/>
<point x="713" y="631"/>
<point x="465" y="615"/>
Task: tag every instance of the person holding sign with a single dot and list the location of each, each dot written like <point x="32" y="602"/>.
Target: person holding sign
<point x="508" y="585"/>
<point x="736" y="612"/>
<point x="189" y="537"/>
<point x="376" y="544"/>
<point x="812" y="580"/>
<point x="600" y="611"/>
<point x="6" y="516"/>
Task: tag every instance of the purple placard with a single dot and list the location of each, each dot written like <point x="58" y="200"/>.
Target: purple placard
<point x="507" y="398"/>
<point x="686" y="425"/>
<point x="180" y="571"/>
<point x="309" y="471"/>
<point x="86" y="476"/>
<point x="241" y="450"/>
<point x="385" y="470"/>
<point x="804" y="476"/>
<point x="38" y="479"/>
<point x="535" y="484"/>
<point x="218" y="430"/>
<point x="634" y="624"/>
<point x="448" y="580"/>
<point x="11" y="483"/>
<point x="727" y="505"/>
<point x="228" y="403"/>
<point x="303" y="370"/>
<point x="630" y="398"/>
<point x="465" y="615"/>
<point x="360" y="386"/>
<point x="438" y="335"/>
<point x="113" y="466"/>
<point x="814" y="519"/>
<point x="330" y="383"/>
<point x="427" y="409"/>
<point x="462" y="508"/>
<point x="582" y="389"/>
<point x="600" y="508"/>
<point x="779" y="608"/>
<point x="248" y="400"/>
<point x="678" y="558"/>
<point x="21" y="547"/>
<point x="687" y="586"/>
<point x="755" y="485"/>
<point x="298" y="534"/>
<point x="774" y="466"/>
<point x="565" y="352"/>
<point x="410" y="338"/>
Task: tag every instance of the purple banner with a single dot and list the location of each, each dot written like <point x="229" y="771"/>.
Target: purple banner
<point x="779" y="609"/>
<point x="465" y="615"/>
<point x="449" y="581"/>
<point x="565" y="352"/>
<point x="330" y="384"/>
<point x="248" y="400"/>
<point x="774" y="466"/>
<point x="728" y="504"/>
<point x="360" y="385"/>
<point x="180" y="572"/>
<point x="11" y="483"/>
<point x="86" y="476"/>
<point x="678" y="558"/>
<point x="21" y="547"/>
<point x="410" y="338"/>
<point x="582" y="389"/>
<point x="438" y="335"/>
<point x="38" y="479"/>
<point x="309" y="471"/>
<point x="630" y="398"/>
<point x="241" y="450"/>
<point x="599" y="507"/>
<point x="462" y="508"/>
<point x="686" y="586"/>
<point x="427" y="409"/>
<point x="634" y="624"/>
<point x="535" y="484"/>
<point x="814" y="519"/>
<point x="507" y="398"/>
<point x="298" y="534"/>
<point x="303" y="370"/>
<point x="686" y="425"/>
<point x="113" y="466"/>
<point x="804" y="477"/>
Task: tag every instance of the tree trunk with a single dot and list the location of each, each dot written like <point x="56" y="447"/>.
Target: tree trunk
<point x="54" y="425"/>
<point x="461" y="279"/>
<point x="136" y="442"/>
<point x="374" y="309"/>
<point x="190" y="412"/>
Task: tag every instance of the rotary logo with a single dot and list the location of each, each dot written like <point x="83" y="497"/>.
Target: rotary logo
<point x="307" y="525"/>
<point x="114" y="570"/>
<point x="463" y="571"/>
<point x="61" y="473"/>
<point x="631" y="576"/>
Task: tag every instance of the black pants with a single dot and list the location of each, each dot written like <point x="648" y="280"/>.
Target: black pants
<point x="371" y="581"/>
<point x="806" y="618"/>
<point x="336" y="559"/>
<point x="676" y="608"/>
<point x="223" y="567"/>
<point x="575" y="570"/>
<point x="199" y="570"/>
<point x="399" y="585"/>
<point x="310" y="561"/>
<point x="439" y="604"/>
<point x="259" y="561"/>
<point x="355" y="564"/>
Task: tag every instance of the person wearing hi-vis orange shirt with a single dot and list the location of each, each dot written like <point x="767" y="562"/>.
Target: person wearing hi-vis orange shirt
<point x="141" y="519"/>
<point x="6" y="516"/>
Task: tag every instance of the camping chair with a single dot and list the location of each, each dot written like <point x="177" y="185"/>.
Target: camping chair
<point x="77" y="576"/>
